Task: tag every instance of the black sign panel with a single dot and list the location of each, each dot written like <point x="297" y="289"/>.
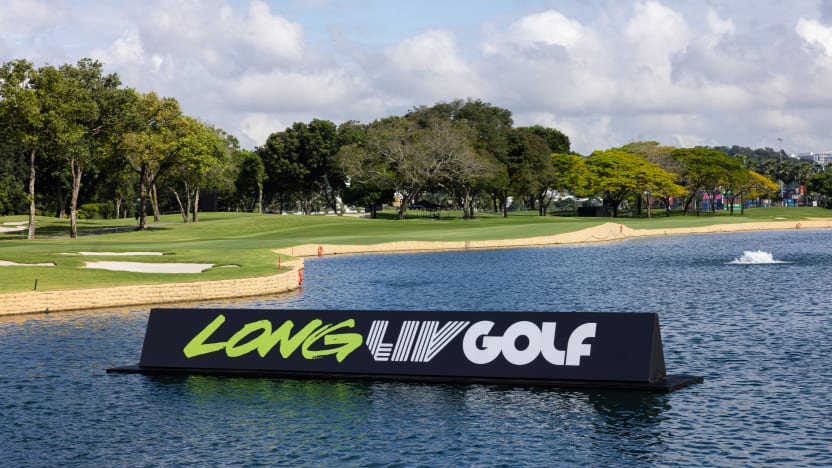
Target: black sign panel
<point x="623" y="347"/>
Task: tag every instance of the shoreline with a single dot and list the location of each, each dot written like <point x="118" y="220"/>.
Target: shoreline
<point x="33" y="302"/>
<point x="606" y="232"/>
<point x="39" y="302"/>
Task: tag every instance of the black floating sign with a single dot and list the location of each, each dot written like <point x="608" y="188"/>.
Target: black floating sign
<point x="577" y="349"/>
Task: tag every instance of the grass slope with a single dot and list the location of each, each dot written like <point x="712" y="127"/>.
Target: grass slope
<point x="247" y="240"/>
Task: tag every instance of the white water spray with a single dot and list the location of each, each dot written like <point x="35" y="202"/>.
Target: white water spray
<point x="755" y="257"/>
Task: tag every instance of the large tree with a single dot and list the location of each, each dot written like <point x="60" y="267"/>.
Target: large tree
<point x="153" y="146"/>
<point x="299" y="159"/>
<point x="408" y="156"/>
<point x="202" y="154"/>
<point x="23" y="119"/>
<point x="13" y="171"/>
<point x="529" y="166"/>
<point x="819" y="185"/>
<point x="616" y="175"/>
<point x="251" y="175"/>
<point x="90" y="102"/>
<point x="704" y="169"/>
<point x="570" y="175"/>
<point x="488" y="132"/>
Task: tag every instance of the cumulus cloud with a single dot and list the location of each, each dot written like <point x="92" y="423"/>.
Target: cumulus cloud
<point x="24" y="21"/>
<point x="815" y="33"/>
<point x="427" y="66"/>
<point x="604" y="73"/>
<point x="257" y="126"/>
<point x="547" y="28"/>
<point x="20" y="19"/>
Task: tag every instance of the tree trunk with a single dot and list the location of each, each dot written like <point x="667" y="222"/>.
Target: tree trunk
<point x="260" y="199"/>
<point x="154" y="201"/>
<point x="195" y="217"/>
<point x="142" y="198"/>
<point x="181" y="207"/>
<point x="686" y="206"/>
<point x="187" y="202"/>
<point x="467" y="212"/>
<point x="76" y="171"/>
<point x="504" y="203"/>
<point x="31" y="234"/>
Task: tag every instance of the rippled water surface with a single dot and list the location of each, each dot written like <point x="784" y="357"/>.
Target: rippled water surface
<point x="758" y="332"/>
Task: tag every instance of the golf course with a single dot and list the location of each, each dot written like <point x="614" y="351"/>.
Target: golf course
<point x="251" y="247"/>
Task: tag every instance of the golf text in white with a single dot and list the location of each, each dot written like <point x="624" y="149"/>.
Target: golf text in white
<point x="541" y="341"/>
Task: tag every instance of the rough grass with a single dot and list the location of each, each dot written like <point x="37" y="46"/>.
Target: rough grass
<point x="247" y="240"/>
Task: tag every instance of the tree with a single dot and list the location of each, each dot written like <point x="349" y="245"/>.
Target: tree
<point x="617" y="175"/>
<point x="820" y="186"/>
<point x="757" y="186"/>
<point x="529" y="165"/>
<point x="249" y="183"/>
<point x="704" y="169"/>
<point x="200" y="151"/>
<point x="557" y="141"/>
<point x="20" y="110"/>
<point x="13" y="172"/>
<point x="407" y="156"/>
<point x="299" y="159"/>
<point x="570" y="174"/>
<point x="655" y="153"/>
<point x="89" y="103"/>
<point x="488" y="137"/>
<point x="153" y="146"/>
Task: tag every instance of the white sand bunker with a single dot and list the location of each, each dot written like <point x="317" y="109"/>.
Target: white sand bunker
<point x="5" y="263"/>
<point x="139" y="267"/>
<point x="121" y="254"/>
<point x="13" y="226"/>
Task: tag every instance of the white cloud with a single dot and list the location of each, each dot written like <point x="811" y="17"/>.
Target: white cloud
<point x="655" y="33"/>
<point x="815" y="33"/>
<point x="257" y="126"/>
<point x="548" y="28"/>
<point x="428" y="66"/>
<point x="718" y="26"/>
<point x="19" y="19"/>
<point x="126" y="50"/>
<point x="272" y="34"/>
<point x="292" y="90"/>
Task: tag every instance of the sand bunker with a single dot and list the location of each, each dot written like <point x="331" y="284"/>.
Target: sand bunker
<point x="14" y="226"/>
<point x="139" y="267"/>
<point x="5" y="263"/>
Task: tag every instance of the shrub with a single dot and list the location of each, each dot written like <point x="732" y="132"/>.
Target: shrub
<point x="96" y="211"/>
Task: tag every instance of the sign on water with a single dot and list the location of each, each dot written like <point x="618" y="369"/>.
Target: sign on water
<point x="621" y="350"/>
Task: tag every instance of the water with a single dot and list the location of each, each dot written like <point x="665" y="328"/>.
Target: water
<point x="759" y="333"/>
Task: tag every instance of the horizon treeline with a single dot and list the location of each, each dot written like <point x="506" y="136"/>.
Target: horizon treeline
<point x="75" y="142"/>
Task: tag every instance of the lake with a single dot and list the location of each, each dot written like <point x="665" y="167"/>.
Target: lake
<point x="748" y="311"/>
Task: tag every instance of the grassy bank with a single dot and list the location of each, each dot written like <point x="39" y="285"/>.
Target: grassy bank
<point x="246" y="241"/>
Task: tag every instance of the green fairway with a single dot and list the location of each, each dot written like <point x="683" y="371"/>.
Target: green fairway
<point x="245" y="241"/>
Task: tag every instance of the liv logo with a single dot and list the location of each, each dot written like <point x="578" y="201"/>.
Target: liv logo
<point x="418" y="341"/>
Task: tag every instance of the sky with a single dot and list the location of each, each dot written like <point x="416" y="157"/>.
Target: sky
<point x="754" y="73"/>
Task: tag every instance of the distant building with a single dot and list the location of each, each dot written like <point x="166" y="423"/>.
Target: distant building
<point x="823" y="158"/>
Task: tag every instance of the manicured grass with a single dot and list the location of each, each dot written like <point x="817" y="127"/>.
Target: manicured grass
<point x="247" y="240"/>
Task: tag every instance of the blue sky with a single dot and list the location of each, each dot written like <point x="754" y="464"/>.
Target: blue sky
<point x="605" y="72"/>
